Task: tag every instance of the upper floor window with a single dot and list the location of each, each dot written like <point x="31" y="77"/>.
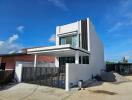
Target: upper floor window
<point x="69" y="40"/>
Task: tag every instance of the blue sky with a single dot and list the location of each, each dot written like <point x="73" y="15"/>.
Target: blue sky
<point x="29" y="23"/>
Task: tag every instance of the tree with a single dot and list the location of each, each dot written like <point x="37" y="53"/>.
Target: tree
<point x="124" y="60"/>
<point x="109" y="62"/>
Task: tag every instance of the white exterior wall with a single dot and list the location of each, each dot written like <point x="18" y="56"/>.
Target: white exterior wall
<point x="76" y="72"/>
<point x="96" y="49"/>
<point x="68" y="28"/>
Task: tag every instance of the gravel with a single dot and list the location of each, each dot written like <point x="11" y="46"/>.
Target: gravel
<point x="113" y="77"/>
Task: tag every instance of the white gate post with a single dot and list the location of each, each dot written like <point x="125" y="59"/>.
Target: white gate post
<point x="35" y="60"/>
<point x="67" y="85"/>
<point x="18" y="71"/>
<point x="77" y="57"/>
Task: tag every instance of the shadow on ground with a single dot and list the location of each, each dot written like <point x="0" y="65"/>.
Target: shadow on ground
<point x="103" y="92"/>
<point x="94" y="83"/>
<point x="7" y="86"/>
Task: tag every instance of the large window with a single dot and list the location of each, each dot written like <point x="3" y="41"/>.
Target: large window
<point x="62" y="40"/>
<point x="69" y="40"/>
<point x="64" y="60"/>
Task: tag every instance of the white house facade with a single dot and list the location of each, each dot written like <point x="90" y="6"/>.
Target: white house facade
<point x="78" y="49"/>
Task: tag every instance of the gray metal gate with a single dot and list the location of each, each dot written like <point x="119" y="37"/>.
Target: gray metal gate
<point x="47" y="76"/>
<point x="6" y="76"/>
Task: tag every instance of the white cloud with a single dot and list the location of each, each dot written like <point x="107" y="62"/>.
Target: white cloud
<point x="10" y="45"/>
<point x="10" y="52"/>
<point x="119" y="25"/>
<point x="20" y="28"/>
<point x="52" y="38"/>
<point x="13" y="38"/>
<point x="1" y="43"/>
<point x="127" y="57"/>
<point x="125" y="5"/>
<point x="59" y="3"/>
<point x="115" y="27"/>
<point x="120" y="15"/>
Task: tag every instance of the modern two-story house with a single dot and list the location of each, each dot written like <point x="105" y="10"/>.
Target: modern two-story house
<point x="78" y="50"/>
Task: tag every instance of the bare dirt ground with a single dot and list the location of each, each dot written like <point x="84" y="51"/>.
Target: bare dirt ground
<point x="99" y="91"/>
<point x="105" y="91"/>
<point x="25" y="91"/>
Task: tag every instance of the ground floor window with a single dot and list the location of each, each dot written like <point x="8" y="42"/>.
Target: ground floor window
<point x="85" y="59"/>
<point x="64" y="60"/>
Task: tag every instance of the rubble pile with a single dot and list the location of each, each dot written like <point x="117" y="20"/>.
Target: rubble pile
<point x="113" y="77"/>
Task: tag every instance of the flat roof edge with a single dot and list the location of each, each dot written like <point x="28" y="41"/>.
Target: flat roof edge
<point x="68" y="47"/>
<point x="13" y="54"/>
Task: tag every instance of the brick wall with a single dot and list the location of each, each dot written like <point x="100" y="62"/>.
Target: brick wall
<point x="11" y="60"/>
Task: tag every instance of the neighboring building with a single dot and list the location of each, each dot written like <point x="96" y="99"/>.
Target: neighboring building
<point x="8" y="61"/>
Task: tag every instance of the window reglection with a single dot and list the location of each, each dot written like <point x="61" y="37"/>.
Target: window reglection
<point x="69" y="40"/>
